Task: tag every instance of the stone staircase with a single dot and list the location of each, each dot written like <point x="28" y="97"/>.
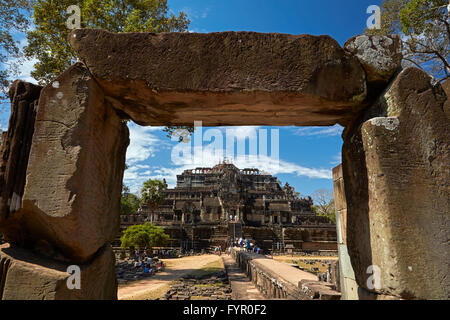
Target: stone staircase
<point x="234" y="230"/>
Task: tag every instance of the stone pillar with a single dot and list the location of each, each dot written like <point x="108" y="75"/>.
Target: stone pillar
<point x="15" y="147"/>
<point x="349" y="287"/>
<point x="70" y="206"/>
<point x="396" y="175"/>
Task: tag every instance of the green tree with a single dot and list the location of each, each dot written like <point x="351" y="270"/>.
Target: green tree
<point x="144" y="236"/>
<point x="153" y="194"/>
<point x="129" y="202"/>
<point x="13" y="18"/>
<point x="324" y="204"/>
<point x="425" y="32"/>
<point x="48" y="42"/>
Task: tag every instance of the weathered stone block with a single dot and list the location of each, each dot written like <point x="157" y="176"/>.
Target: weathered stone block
<point x="397" y="182"/>
<point x="339" y="191"/>
<point x="27" y="276"/>
<point x="16" y="145"/>
<point x="75" y="169"/>
<point x="227" y="78"/>
<point x="380" y="56"/>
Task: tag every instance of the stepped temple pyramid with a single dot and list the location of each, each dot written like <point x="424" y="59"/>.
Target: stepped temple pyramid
<point x="210" y="206"/>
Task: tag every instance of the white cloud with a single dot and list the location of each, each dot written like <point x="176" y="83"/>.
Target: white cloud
<point x="195" y="14"/>
<point x="336" y="159"/>
<point x="241" y="132"/>
<point x="143" y="144"/>
<point x="208" y="158"/>
<point x="319" y="131"/>
<point x="26" y="66"/>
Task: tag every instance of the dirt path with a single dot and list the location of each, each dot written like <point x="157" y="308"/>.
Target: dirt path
<point x="157" y="285"/>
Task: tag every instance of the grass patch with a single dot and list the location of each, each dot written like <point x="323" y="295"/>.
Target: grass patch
<point x="309" y="267"/>
<point x="208" y="269"/>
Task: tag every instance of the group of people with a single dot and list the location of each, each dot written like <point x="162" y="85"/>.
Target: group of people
<point x="248" y="245"/>
<point x="218" y="250"/>
<point x="148" y="264"/>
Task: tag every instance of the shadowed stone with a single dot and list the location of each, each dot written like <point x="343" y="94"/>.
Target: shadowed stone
<point x="16" y="144"/>
<point x="27" y="276"/>
<point x="446" y="87"/>
<point x="228" y="78"/>
<point x="75" y="169"/>
<point x="396" y="176"/>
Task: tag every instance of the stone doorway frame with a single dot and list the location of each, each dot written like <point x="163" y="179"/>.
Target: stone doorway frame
<point x="64" y="207"/>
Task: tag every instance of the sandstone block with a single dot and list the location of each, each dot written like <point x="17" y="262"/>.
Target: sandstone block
<point x="380" y="56"/>
<point x="27" y="276"/>
<point x="227" y="78"/>
<point x="397" y="183"/>
<point x="16" y="145"/>
<point x="75" y="169"/>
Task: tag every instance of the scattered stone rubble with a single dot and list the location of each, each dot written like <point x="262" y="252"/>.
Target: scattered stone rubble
<point x="210" y="287"/>
<point x="126" y="271"/>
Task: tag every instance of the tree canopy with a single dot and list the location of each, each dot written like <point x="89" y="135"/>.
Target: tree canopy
<point x="425" y="31"/>
<point x="129" y="202"/>
<point x="153" y="193"/>
<point x="144" y="236"/>
<point x="13" y="18"/>
<point x="48" y="41"/>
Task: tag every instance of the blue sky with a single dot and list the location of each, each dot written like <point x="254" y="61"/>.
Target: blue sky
<point x="306" y="155"/>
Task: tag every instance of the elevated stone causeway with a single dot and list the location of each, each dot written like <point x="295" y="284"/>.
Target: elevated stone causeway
<point x="277" y="280"/>
<point x="241" y="286"/>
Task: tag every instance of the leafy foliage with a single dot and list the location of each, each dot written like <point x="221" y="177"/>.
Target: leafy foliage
<point x="129" y="202"/>
<point x="153" y="193"/>
<point x="48" y="42"/>
<point x="12" y="19"/>
<point x="144" y="236"/>
<point x="425" y="31"/>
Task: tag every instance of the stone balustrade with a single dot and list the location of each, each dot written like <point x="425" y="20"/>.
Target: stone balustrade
<point x="277" y="280"/>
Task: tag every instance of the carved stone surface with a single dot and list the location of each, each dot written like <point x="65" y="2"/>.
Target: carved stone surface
<point x="397" y="183"/>
<point x="380" y="56"/>
<point x="227" y="78"/>
<point x="75" y="170"/>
